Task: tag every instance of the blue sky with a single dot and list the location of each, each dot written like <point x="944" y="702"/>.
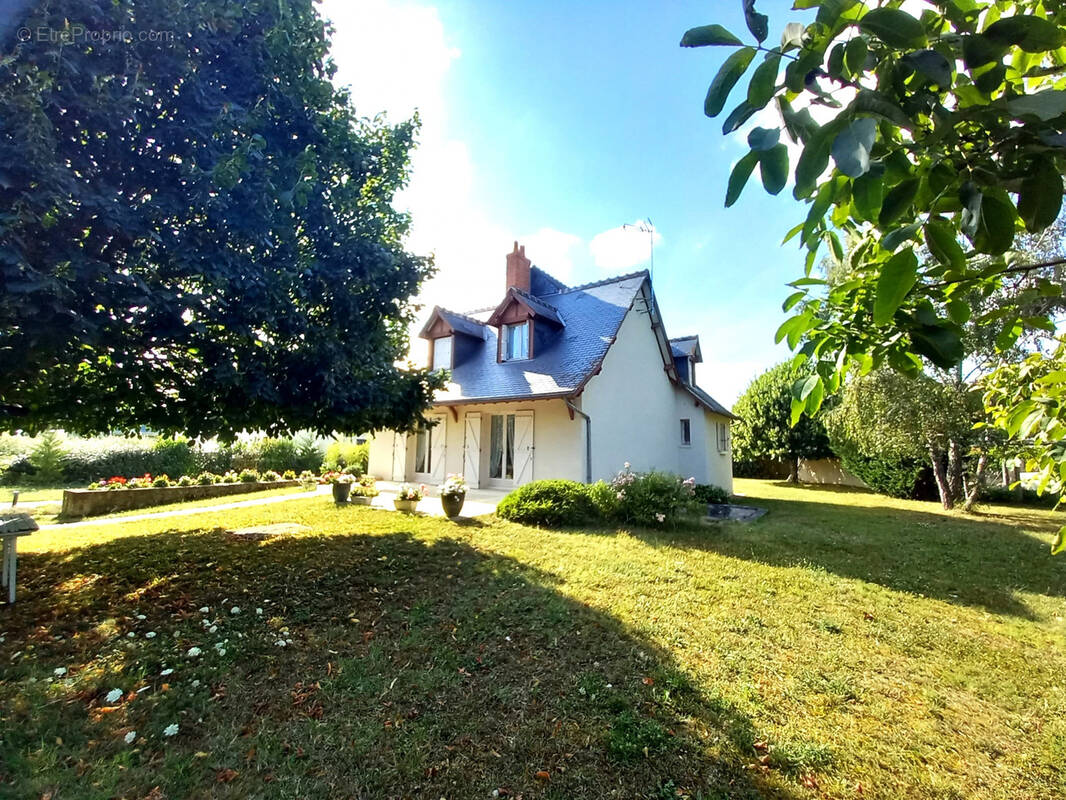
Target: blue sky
<point x="554" y="124"/>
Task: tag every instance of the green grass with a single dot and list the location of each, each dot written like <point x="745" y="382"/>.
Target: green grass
<point x="845" y="645"/>
<point x="28" y="494"/>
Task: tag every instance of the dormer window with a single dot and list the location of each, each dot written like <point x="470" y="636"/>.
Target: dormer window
<point x="516" y="341"/>
<point x="442" y="353"/>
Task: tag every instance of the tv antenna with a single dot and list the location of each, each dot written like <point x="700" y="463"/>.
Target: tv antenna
<point x="646" y="226"/>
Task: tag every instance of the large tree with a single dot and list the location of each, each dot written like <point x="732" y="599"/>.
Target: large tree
<point x="196" y="227"/>
<point x="940" y="129"/>
<point x="764" y="430"/>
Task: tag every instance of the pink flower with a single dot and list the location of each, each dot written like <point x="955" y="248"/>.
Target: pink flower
<point x="660" y="517"/>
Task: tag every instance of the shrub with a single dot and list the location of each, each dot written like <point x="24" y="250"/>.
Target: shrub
<point x="173" y="457"/>
<point x="604" y="499"/>
<point x="269" y="475"/>
<point x="206" y="478"/>
<point x="275" y="455"/>
<point x="47" y="459"/>
<point x="549" y="503"/>
<point x="289" y="475"/>
<point x="309" y="453"/>
<point x="346" y="454"/>
<point x="892" y="476"/>
<point x="705" y="493"/>
<point x="185" y="480"/>
<point x="161" y="481"/>
<point x="230" y="477"/>
<point x="652" y="498"/>
<point x="248" y="476"/>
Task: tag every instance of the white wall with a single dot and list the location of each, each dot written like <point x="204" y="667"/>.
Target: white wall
<point x="719" y="463"/>
<point x="558" y="441"/>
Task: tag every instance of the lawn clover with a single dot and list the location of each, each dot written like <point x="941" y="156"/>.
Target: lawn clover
<point x="131" y="635"/>
<point x="212" y="629"/>
<point x="171" y="730"/>
<point x="235" y="610"/>
<point x="204" y="609"/>
<point x="166" y="672"/>
<point x="114" y="695"/>
<point x="141" y="616"/>
<point x="129" y="737"/>
<point x="59" y="672"/>
<point x="150" y="635"/>
<point x="259" y="611"/>
<point x="193" y="652"/>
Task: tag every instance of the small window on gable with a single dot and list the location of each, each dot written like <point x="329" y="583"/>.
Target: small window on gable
<point x="686" y="433"/>
<point x="515" y="342"/>
<point x="442" y="353"/>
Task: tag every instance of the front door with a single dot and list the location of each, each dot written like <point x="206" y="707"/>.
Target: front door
<point x="472" y="449"/>
<point x="430" y="450"/>
<point x="511" y="449"/>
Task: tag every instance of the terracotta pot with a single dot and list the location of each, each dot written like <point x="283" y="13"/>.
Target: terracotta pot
<point x="406" y="506"/>
<point x="360" y="500"/>
<point x="452" y="503"/>
<point x="341" y="492"/>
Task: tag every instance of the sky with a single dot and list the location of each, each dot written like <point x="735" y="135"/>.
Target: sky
<point x="555" y="124"/>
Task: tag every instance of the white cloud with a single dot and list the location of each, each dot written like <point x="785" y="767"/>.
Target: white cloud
<point x="623" y="247"/>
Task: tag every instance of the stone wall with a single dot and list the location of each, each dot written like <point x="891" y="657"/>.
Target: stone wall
<point x="92" y="502"/>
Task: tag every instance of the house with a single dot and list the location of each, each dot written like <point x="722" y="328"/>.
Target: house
<point x="561" y="382"/>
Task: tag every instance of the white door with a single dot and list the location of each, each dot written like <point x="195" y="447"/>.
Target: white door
<point x="399" y="457"/>
<point x="523" y="447"/>
<point x="472" y="449"/>
<point x="438" y="447"/>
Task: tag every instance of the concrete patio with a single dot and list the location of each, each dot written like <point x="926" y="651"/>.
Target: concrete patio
<point x="478" y="501"/>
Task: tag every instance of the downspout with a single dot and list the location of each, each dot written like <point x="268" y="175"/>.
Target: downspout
<point x="588" y="437"/>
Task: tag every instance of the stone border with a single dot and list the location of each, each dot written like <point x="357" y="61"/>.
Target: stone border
<point x="93" y="502"/>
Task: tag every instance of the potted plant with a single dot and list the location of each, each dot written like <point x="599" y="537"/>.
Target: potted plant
<point x="452" y="495"/>
<point x="342" y="486"/>
<point x="364" y="491"/>
<point x="308" y="481"/>
<point x="407" y="499"/>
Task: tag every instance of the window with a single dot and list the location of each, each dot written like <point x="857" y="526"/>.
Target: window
<point x="423" y="450"/>
<point x="442" y="353"/>
<point x="723" y="437"/>
<point x="501" y="447"/>
<point x="516" y="341"/>
<point x="686" y="433"/>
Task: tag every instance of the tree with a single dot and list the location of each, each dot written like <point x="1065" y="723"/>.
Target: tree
<point x="196" y="228"/>
<point x="942" y="131"/>
<point x="764" y="430"/>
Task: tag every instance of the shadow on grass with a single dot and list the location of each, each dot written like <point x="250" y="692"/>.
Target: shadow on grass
<point x="379" y="666"/>
<point x="981" y="560"/>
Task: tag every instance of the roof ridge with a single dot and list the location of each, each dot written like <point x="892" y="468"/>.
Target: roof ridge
<point x="461" y="314"/>
<point x="549" y="276"/>
<point x="681" y="338"/>
<point x="534" y="298"/>
<point x="615" y="279"/>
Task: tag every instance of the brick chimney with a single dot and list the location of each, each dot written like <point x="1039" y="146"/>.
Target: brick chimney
<point x="518" y="268"/>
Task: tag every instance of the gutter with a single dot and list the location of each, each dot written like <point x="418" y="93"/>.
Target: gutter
<point x="588" y="437"/>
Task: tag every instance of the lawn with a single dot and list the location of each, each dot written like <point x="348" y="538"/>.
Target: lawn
<point x="844" y="645"/>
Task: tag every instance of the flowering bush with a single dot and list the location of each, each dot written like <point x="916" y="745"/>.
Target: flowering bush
<point x="248" y="476"/>
<point x="453" y="486"/>
<point x="652" y="498"/>
<point x="143" y="482"/>
<point x="707" y="493"/>
<point x="161" y="482"/>
<point x="269" y="475"/>
<point x="337" y="477"/>
<point x="365" y="487"/>
<point x="289" y="475"/>
<point x="185" y="480"/>
<point x="410" y="492"/>
<point x="207" y="478"/>
<point x="230" y="477"/>
<point x="308" y="475"/>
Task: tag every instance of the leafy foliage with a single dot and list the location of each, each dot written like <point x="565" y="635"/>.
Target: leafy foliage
<point x="346" y="454"/>
<point x="47" y="459"/>
<point x="196" y="233"/>
<point x="652" y="499"/>
<point x="708" y="493"/>
<point x="550" y="503"/>
<point x="765" y="430"/>
<point x="939" y="131"/>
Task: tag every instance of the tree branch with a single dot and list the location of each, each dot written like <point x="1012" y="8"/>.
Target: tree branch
<point x="1024" y="268"/>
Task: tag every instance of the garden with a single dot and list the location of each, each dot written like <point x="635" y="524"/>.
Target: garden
<point x="846" y="645"/>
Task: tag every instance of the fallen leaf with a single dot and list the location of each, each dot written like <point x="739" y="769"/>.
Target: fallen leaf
<point x="225" y="775"/>
<point x="543" y="775"/>
<point x="648" y="681"/>
<point x="761" y="746"/>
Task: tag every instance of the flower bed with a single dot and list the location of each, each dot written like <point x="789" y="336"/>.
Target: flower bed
<point x="92" y="502"/>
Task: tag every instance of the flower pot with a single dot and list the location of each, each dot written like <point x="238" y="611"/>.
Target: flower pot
<point x="406" y="506"/>
<point x="452" y="503"/>
<point x="309" y="486"/>
<point x="361" y="499"/>
<point x="341" y="492"/>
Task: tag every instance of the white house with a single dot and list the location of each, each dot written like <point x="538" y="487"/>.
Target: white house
<point x="561" y="382"/>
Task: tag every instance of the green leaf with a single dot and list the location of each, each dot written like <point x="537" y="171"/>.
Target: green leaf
<point x="895" y="238"/>
<point x="959" y="311"/>
<point x="897" y="201"/>
<point x="1046" y="105"/>
<point x="1031" y="34"/>
<point x="852" y="146"/>
<point x="867" y="193"/>
<point x="894" y="27"/>
<point x="709" y="35"/>
<point x="978" y="50"/>
<point x="897" y="278"/>
<point x="940" y="344"/>
<point x="739" y="177"/>
<point x="940" y="238"/>
<point x="1059" y="545"/>
<point x="737" y="117"/>
<point x="815" y="158"/>
<point x="764" y="81"/>
<point x="868" y="101"/>
<point x="791" y="300"/>
<point x="773" y="167"/>
<point x="763" y="138"/>
<point x="758" y="24"/>
<point x="932" y="65"/>
<point x="727" y="77"/>
<point x="804" y="386"/>
<point x="1040" y="197"/>
<point x="855" y="56"/>
<point x="995" y="230"/>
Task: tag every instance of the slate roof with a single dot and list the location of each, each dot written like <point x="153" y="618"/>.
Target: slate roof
<point x="459" y="323"/>
<point x="708" y="401"/>
<point x="685" y="346"/>
<point x="561" y="365"/>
